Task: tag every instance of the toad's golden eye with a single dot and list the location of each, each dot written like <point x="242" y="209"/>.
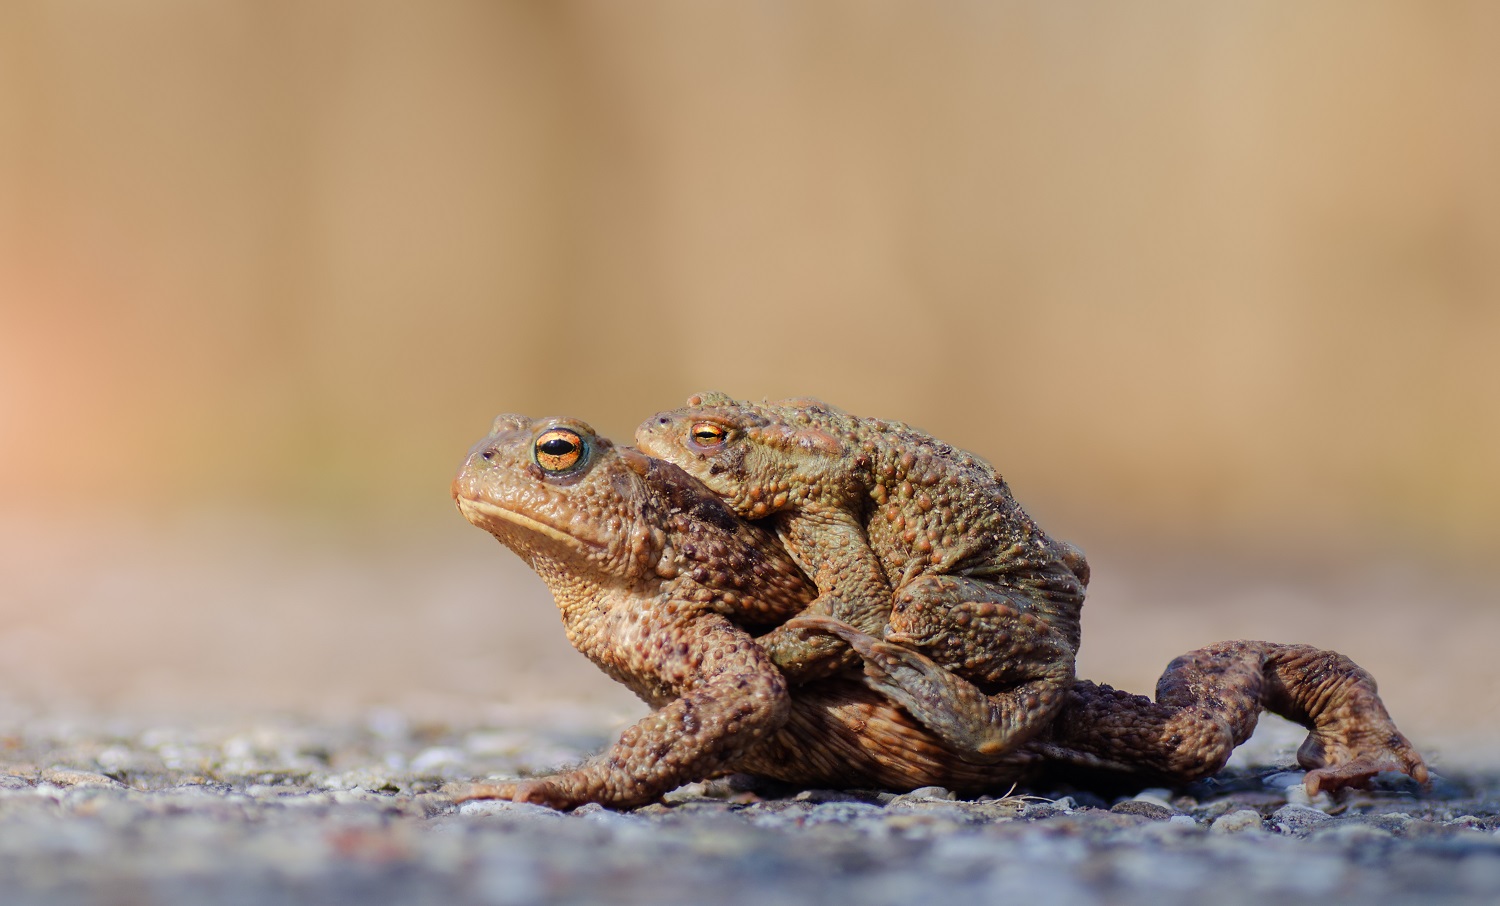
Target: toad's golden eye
<point x="708" y="434"/>
<point x="558" y="450"/>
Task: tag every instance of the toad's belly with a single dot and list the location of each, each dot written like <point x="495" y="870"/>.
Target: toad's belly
<point x="842" y="734"/>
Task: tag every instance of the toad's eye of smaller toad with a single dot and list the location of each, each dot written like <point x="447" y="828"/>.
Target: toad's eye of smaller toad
<point x="558" y="450"/>
<point x="708" y="434"/>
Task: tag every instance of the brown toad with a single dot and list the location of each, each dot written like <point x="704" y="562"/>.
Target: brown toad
<point x="660" y="585"/>
<point x="644" y="566"/>
<point x="908" y="539"/>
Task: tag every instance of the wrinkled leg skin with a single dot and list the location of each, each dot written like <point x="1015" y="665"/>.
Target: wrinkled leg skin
<point x="1208" y="702"/>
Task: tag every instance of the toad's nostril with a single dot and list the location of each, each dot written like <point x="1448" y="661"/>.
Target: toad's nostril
<point x="488" y="454"/>
<point x="662" y="420"/>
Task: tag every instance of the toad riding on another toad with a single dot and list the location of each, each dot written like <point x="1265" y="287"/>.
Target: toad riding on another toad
<point x="933" y="643"/>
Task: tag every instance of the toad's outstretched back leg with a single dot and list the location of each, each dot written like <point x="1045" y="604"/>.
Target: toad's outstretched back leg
<point x="1208" y="701"/>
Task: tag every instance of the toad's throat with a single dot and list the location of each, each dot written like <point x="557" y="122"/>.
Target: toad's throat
<point x="479" y="512"/>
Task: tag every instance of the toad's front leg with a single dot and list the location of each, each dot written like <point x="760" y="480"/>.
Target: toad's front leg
<point x="852" y="589"/>
<point x="731" y="696"/>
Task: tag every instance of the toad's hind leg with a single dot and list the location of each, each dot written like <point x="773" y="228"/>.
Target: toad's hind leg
<point x="1208" y="702"/>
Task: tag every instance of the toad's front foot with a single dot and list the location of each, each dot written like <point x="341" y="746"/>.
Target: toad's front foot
<point x="540" y="791"/>
<point x="908" y="677"/>
<point x="1335" y="760"/>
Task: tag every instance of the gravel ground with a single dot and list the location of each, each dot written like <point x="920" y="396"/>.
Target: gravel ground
<point x="301" y="812"/>
<point x="138" y="763"/>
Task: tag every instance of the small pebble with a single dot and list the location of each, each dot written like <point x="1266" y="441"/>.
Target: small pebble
<point x="1296" y="794"/>
<point x="1351" y="831"/>
<point x="1144" y="808"/>
<point x="69" y="778"/>
<point x="1283" y="779"/>
<point x="477" y="807"/>
<point x="1237" y="822"/>
<point x="840" y="812"/>
<point x="596" y="814"/>
<point x="833" y="796"/>
<point x="930" y="792"/>
<point x="1299" y="820"/>
<point x="1395" y="822"/>
<point x="1034" y="810"/>
<point x="686" y="793"/>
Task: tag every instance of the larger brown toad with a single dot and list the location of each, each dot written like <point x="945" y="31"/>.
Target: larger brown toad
<point x="661" y="586"/>
<point x="963" y="609"/>
<point x="647" y="570"/>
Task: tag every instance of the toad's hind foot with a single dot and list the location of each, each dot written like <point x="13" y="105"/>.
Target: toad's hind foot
<point x="909" y="678"/>
<point x="979" y="728"/>
<point x="1338" y="759"/>
<point x="1351" y="736"/>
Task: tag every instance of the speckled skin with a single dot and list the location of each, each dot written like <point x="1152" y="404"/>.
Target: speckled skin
<point x="1208" y="702"/>
<point x="972" y="610"/>
<point x="647" y="570"/>
<point x="661" y="586"/>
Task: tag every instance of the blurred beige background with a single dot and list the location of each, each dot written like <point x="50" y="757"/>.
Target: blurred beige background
<point x="1215" y="284"/>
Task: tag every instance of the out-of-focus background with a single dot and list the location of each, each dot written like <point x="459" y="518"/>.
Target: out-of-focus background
<point x="1215" y="284"/>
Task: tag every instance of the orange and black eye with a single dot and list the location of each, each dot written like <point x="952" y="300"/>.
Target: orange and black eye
<point x="708" y="434"/>
<point x="558" y="450"/>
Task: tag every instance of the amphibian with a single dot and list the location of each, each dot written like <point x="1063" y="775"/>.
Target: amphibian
<point x="646" y="569"/>
<point x="966" y="612"/>
<point x="663" y="587"/>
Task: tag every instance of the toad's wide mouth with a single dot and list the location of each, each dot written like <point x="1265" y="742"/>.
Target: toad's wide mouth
<point x="483" y="514"/>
